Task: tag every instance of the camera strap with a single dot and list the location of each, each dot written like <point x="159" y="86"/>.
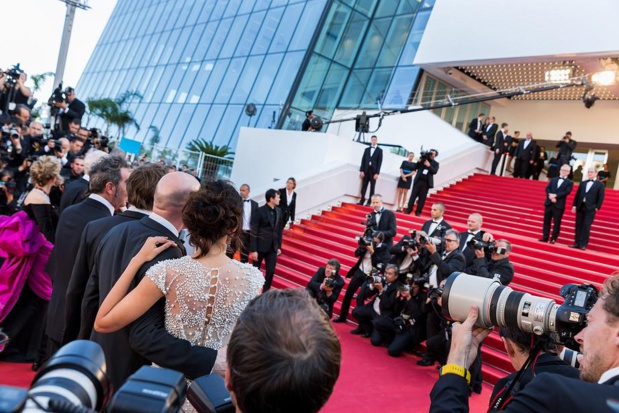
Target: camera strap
<point x="502" y="398"/>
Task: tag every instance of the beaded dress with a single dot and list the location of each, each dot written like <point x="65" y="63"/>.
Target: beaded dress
<point x="203" y="304"/>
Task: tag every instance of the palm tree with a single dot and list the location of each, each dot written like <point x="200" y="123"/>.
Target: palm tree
<point x="209" y="148"/>
<point x="38" y="80"/>
<point x="113" y="112"/>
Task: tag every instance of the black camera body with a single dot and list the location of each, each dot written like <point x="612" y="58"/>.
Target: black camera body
<point x="376" y="275"/>
<point x="480" y="245"/>
<point x="12" y="75"/>
<point x="401" y="323"/>
<point x="330" y="282"/>
<point x="435" y="292"/>
<point x="572" y="314"/>
<point x="412" y="241"/>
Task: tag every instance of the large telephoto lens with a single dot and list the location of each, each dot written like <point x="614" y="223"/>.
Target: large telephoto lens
<point x="498" y="305"/>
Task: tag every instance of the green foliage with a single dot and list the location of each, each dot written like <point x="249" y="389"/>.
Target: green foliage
<point x="113" y="112"/>
<point x="38" y="80"/>
<point x="209" y="148"/>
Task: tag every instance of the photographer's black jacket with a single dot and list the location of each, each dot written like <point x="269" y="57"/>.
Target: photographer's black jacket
<point x="453" y="262"/>
<point x="317" y="280"/>
<point x="432" y="170"/>
<point x="415" y="307"/>
<point x="501" y="268"/>
<point x="380" y="256"/>
<point x="387" y="225"/>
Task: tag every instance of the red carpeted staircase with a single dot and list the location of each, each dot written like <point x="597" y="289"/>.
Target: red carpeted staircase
<point x="511" y="208"/>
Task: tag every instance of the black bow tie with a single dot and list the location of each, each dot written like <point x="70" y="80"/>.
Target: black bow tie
<point x="471" y="233"/>
<point x="247" y="200"/>
<point x="435" y="222"/>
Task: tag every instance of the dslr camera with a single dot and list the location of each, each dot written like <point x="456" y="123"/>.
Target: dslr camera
<point x="480" y="245"/>
<point x="329" y="282"/>
<point x="424" y="239"/>
<point x="412" y="241"/>
<point x="376" y="275"/>
<point x="503" y="307"/>
<point x="12" y="75"/>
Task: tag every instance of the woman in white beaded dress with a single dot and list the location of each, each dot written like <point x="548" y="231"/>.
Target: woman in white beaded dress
<point x="206" y="292"/>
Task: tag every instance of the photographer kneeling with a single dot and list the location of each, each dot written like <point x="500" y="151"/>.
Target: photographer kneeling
<point x="371" y="252"/>
<point x="407" y="329"/>
<point x="499" y="266"/>
<point x="599" y="367"/>
<point x="408" y="255"/>
<point x="325" y="285"/>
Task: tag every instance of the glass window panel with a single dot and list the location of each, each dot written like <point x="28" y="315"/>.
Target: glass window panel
<point x="163" y="88"/>
<point x="192" y="72"/>
<point x="229" y="82"/>
<point x="170" y="128"/>
<point x="395" y="40"/>
<point x="353" y="93"/>
<point x="246" y="6"/>
<point x="332" y="87"/>
<point x="285" y="30"/>
<point x="373" y="43"/>
<point x="350" y="43"/>
<point x="295" y="119"/>
<point x="366" y="6"/>
<point x="233" y="6"/>
<point x="204" y="72"/>
<point x="171" y="43"/>
<point x="376" y="87"/>
<point x="441" y="93"/>
<point x="311" y="83"/>
<point x="263" y="41"/>
<point x="266" y="118"/>
<point x="212" y="122"/>
<point x="251" y="32"/>
<point x="449" y="114"/>
<point x="149" y="116"/>
<point x="195" y="13"/>
<point x="142" y="55"/>
<point x="185" y="11"/>
<point x="330" y="37"/>
<point x="400" y="87"/>
<point x="262" y="4"/>
<point x="264" y="81"/>
<point x="218" y="10"/>
<point x="407" y="6"/>
<point x="194" y="49"/>
<point x="205" y="40"/>
<point x="306" y="26"/>
<point x="195" y="123"/>
<point x="428" y="4"/>
<point x="386" y="8"/>
<point x="219" y="38"/>
<point x="285" y="77"/>
<point x="205" y="11"/>
<point x="233" y="36"/>
<point x="171" y="20"/>
<point x="164" y="11"/>
<point x="228" y="124"/>
<point x="181" y="44"/>
<point x="414" y="38"/>
<point x="247" y="80"/>
<point x="462" y="118"/>
<point x="214" y="81"/>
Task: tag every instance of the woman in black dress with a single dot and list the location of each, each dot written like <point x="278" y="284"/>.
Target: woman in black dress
<point x="405" y="181"/>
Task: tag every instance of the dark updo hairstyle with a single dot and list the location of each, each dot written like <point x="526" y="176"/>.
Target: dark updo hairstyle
<point x="212" y="212"/>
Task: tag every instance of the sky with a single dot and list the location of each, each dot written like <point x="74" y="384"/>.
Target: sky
<point x="33" y="40"/>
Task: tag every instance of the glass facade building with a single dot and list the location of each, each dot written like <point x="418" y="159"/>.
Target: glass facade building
<point x="198" y="63"/>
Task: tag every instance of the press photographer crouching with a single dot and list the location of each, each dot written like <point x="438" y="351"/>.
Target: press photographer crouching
<point x="439" y="334"/>
<point x="372" y="253"/>
<point x="498" y="267"/>
<point x="585" y="319"/>
<point x="326" y="285"/>
<point x="406" y="255"/>
<point x="408" y="328"/>
<point x="384" y="290"/>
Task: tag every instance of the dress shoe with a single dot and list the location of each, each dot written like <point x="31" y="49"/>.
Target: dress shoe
<point x="543" y="240"/>
<point x="360" y="202"/>
<point x="583" y="248"/>
<point x="425" y="362"/>
<point x="574" y="246"/>
<point x="552" y="240"/>
<point x="417" y="214"/>
<point x="35" y="366"/>
<point x="366" y="335"/>
<point x="357" y="331"/>
<point x="339" y="320"/>
<point x="368" y="203"/>
<point x="475" y="389"/>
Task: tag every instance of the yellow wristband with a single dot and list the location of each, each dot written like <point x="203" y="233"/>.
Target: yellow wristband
<point x="457" y="370"/>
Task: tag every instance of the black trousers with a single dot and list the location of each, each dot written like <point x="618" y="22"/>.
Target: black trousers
<point x="438" y="347"/>
<point x="584" y="219"/>
<point x="357" y="281"/>
<point x="419" y="193"/>
<point x="368" y="178"/>
<point x="552" y="213"/>
<point x="365" y="315"/>
<point x="384" y="331"/>
<point x="245" y="246"/>
<point x="522" y="169"/>
<point x="495" y="162"/>
<point x="270" y="260"/>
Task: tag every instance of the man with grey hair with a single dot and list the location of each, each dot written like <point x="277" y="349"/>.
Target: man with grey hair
<point x="443" y="265"/>
<point x="587" y="202"/>
<point x="75" y="192"/>
<point x="108" y="193"/>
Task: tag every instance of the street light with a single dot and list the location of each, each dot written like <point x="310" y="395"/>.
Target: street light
<point x="72" y="5"/>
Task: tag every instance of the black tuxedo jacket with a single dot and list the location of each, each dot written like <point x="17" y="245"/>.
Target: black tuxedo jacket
<point x="288" y="210"/>
<point x="469" y="253"/>
<point x="73" y="193"/>
<point x="387" y="225"/>
<point x="432" y="170"/>
<point x="254" y="210"/>
<point x="490" y="133"/>
<point x="146" y="340"/>
<point x="380" y="256"/>
<point x="370" y="165"/>
<point x="75" y="110"/>
<point x="562" y="192"/>
<point x="501" y="269"/>
<point x="440" y="229"/>
<point x="595" y="196"/>
<point x="546" y="393"/>
<point x="387" y="303"/>
<point x="60" y="265"/>
<point x="317" y="280"/>
<point x="453" y="262"/>
<point x="266" y="235"/>
<point x="527" y="154"/>
<point x="91" y="238"/>
<point x="473" y="127"/>
<point x="501" y="142"/>
<point x="398" y="254"/>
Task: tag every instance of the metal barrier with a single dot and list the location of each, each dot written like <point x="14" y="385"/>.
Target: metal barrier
<point x="207" y="166"/>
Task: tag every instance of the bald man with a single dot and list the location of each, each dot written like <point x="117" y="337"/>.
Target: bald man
<point x="145" y="341"/>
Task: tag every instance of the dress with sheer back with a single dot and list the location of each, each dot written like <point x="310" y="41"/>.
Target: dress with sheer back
<point x="203" y="304"/>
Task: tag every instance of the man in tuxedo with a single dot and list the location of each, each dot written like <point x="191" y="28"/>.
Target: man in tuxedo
<point x="587" y="202"/>
<point x="265" y="242"/>
<point x="489" y="131"/>
<point x="474" y="223"/>
<point x="498" y="267"/>
<point x="426" y="168"/>
<point x="525" y="157"/>
<point x="599" y="366"/>
<point x="108" y="179"/>
<point x="76" y="191"/>
<point x="500" y="146"/>
<point x="72" y="108"/>
<point x="443" y="265"/>
<point x="557" y="191"/>
<point x="436" y="226"/>
<point x="146" y="340"/>
<point x="370" y="168"/>
<point x="140" y="194"/>
<point x="326" y="285"/>
<point x="383" y="220"/>
<point x="476" y="126"/>
<point x="250" y="208"/>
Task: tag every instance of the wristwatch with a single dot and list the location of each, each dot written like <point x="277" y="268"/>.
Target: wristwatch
<point x="457" y="370"/>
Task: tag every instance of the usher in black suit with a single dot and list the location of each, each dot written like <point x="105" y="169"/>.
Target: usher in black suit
<point x="424" y="180"/>
<point x="524" y="157"/>
<point x="554" y="210"/>
<point x="68" y="235"/>
<point x="370" y="166"/>
<point x="288" y="210"/>
<point x="146" y="340"/>
<point x="91" y="237"/>
<point x="267" y="226"/>
<point x="587" y="203"/>
<point x="253" y="210"/>
<point x="387" y="225"/>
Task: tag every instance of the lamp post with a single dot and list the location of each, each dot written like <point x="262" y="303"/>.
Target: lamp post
<point x="72" y="5"/>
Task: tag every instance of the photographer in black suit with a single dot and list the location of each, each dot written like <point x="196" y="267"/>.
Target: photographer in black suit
<point x="599" y="366"/>
<point x="557" y="191"/>
<point x="265" y="241"/>
<point x="72" y="108"/>
<point x="443" y="265"/>
<point x="587" y="202"/>
<point x="498" y="267"/>
<point x="407" y="255"/>
<point x="383" y="220"/>
<point x="436" y="226"/>
<point x="566" y="146"/>
<point x="426" y="168"/>
<point x="326" y="285"/>
<point x="370" y="168"/>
